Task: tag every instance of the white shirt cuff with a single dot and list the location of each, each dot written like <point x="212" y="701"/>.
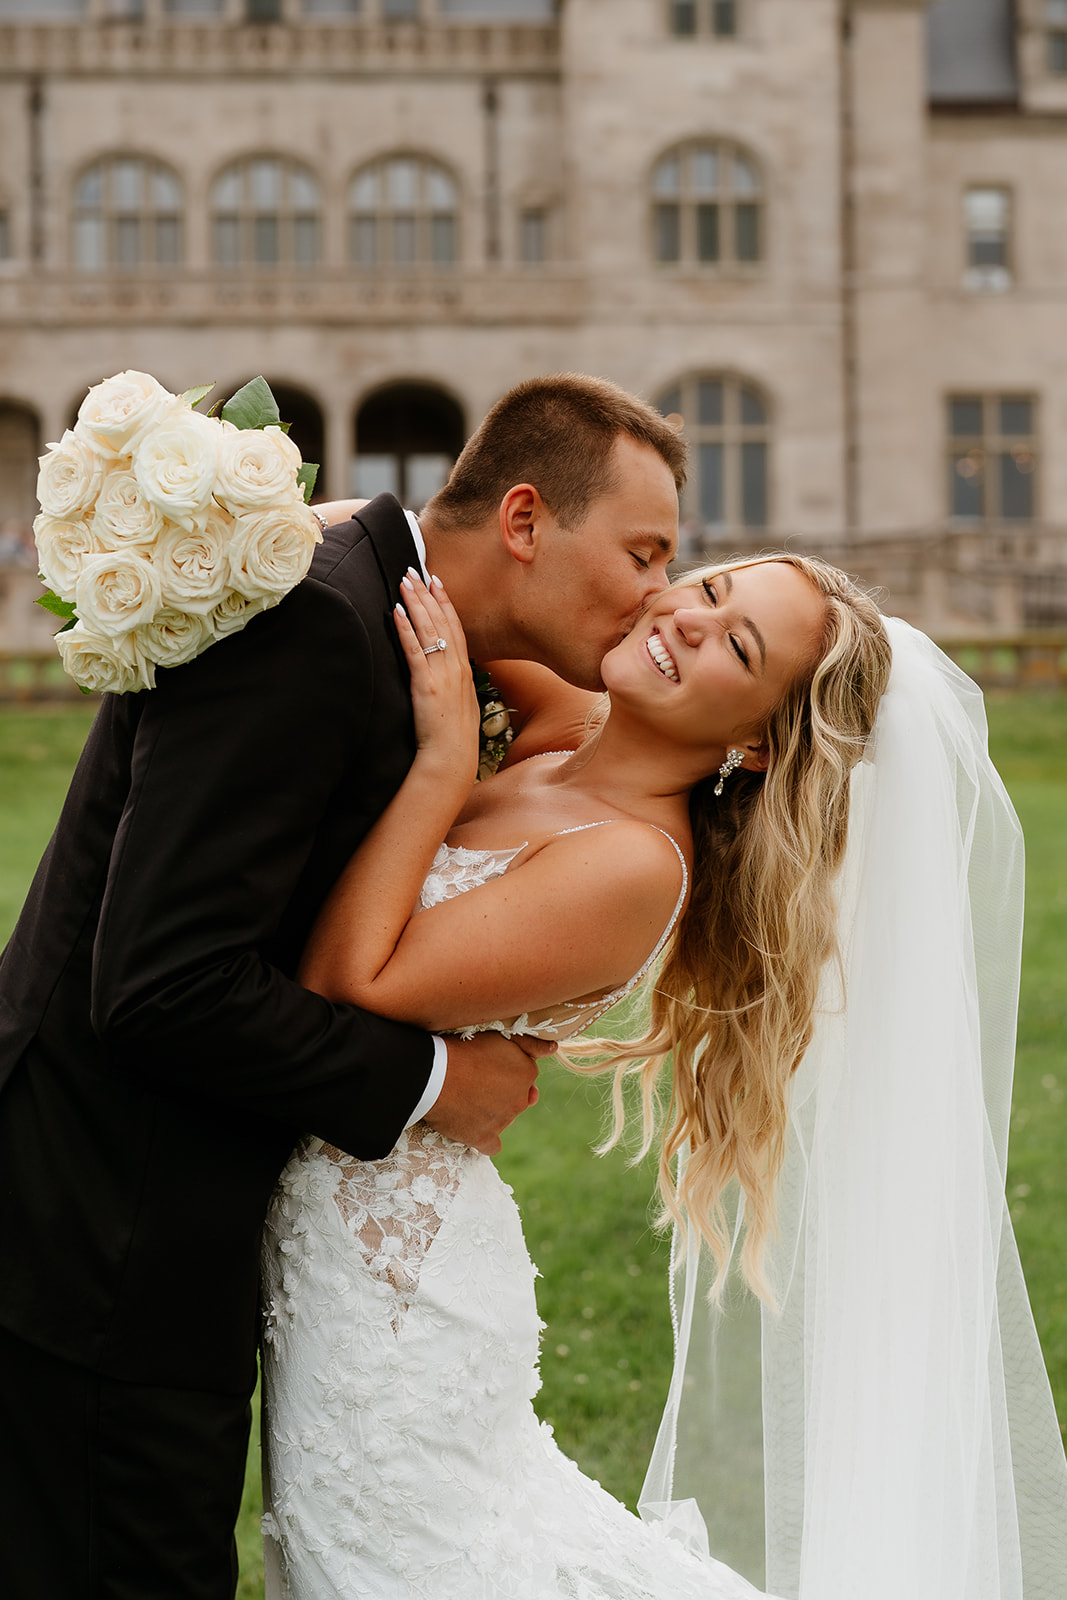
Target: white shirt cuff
<point x="434" y="1084"/>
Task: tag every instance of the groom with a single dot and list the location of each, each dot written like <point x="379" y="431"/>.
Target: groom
<point x="158" y="1060"/>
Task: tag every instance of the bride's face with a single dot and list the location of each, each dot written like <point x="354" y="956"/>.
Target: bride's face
<point x="707" y="662"/>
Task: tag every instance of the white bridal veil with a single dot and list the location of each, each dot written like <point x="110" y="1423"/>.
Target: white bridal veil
<point x="905" y="1444"/>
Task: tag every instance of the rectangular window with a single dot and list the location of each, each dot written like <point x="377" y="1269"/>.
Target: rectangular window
<point x="1016" y="416"/>
<point x="265" y="241"/>
<point x="5" y="237"/>
<point x="707" y="232"/>
<point x="1017" y="484"/>
<point x="992" y="457"/>
<point x="683" y="18"/>
<point x="754" y="484"/>
<point x="442" y="241"/>
<point x="533" y="228"/>
<point x="746" y="224"/>
<point x="400" y="9"/>
<point x="305" y="241"/>
<point x="168" y="241"/>
<point x="403" y="241"/>
<point x="264" y="10"/>
<point x="711" y="484"/>
<point x="668" y="233"/>
<point x="127" y="241"/>
<point x="724" y="24"/>
<point x="227" y="241"/>
<point x="90" y="244"/>
<point x="966" y="487"/>
<point x="1056" y="18"/>
<point x="363" y="242"/>
<point x="987" y="218"/>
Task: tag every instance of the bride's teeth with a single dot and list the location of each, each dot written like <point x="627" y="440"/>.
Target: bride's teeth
<point x="661" y="657"/>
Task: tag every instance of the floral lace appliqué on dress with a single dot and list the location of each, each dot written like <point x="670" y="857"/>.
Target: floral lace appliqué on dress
<point x="404" y="1459"/>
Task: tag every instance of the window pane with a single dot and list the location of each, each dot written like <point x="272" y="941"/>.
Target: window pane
<point x="704" y="169"/>
<point x="440" y="190"/>
<point x="5" y="237"/>
<point x="965" y="417"/>
<point x="1056" y="11"/>
<point x="966" y="487"/>
<point x="90" y="190"/>
<point x="709" y="402"/>
<point x="265" y="240"/>
<point x="401" y="178"/>
<point x="683" y="17"/>
<point x="667" y="178"/>
<point x="126" y="187"/>
<point x="668" y="233"/>
<point x="400" y="8"/>
<point x="265" y="184"/>
<point x="366" y="187"/>
<point x="403" y="241"/>
<point x="987" y="250"/>
<point x="305" y="241"/>
<point x="746" y="223"/>
<point x="363" y="241"/>
<point x="127" y="241"/>
<point x="724" y="18"/>
<point x="670" y="404"/>
<point x="226" y="240"/>
<point x="754" y="484"/>
<point x="745" y="177"/>
<point x="168" y="241"/>
<point x="166" y="190"/>
<point x="1057" y="52"/>
<point x="707" y="232"/>
<point x="425" y="474"/>
<point x="752" y="408"/>
<point x="1017" y="484"/>
<point x="1016" y="416"/>
<point x="374" y="475"/>
<point x="194" y="8"/>
<point x="226" y="194"/>
<point x="710" y="456"/>
<point x="986" y="208"/>
<point x="532" y="237"/>
<point x="303" y="191"/>
<point x="443" y="241"/>
<point x="263" y="10"/>
<point x="89" y="249"/>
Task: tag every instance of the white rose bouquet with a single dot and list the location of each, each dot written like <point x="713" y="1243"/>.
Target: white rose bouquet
<point x="162" y="530"/>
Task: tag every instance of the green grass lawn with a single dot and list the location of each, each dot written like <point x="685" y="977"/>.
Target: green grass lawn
<point x="606" y="1358"/>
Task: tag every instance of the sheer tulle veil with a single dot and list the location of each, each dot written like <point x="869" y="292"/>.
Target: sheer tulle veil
<point x="889" y="1433"/>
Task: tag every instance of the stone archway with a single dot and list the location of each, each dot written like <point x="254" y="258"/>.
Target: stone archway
<point x="407" y="437"/>
<point x="20" y="446"/>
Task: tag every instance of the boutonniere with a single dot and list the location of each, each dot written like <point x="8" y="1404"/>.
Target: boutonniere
<point x="495" y="733"/>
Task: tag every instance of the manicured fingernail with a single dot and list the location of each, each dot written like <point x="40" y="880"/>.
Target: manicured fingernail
<point x="413" y="574"/>
<point x="406" y="583"/>
<point x="435" y="580"/>
<point x="400" y="608"/>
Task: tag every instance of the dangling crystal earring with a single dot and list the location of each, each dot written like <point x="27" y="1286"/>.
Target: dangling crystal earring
<point x="734" y="759"/>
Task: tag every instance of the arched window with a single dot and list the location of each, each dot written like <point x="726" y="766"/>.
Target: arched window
<point x="402" y="214"/>
<point x="408" y="436"/>
<point x="127" y="215"/>
<point x="265" y="213"/>
<point x="726" y="423"/>
<point x="707" y="207"/>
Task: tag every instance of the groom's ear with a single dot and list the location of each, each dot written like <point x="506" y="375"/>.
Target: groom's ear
<point x="521" y="512"/>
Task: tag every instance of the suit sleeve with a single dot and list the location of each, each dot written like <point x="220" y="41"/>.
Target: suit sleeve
<point x="234" y="761"/>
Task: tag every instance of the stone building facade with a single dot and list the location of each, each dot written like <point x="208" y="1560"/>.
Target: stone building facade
<point x="830" y="233"/>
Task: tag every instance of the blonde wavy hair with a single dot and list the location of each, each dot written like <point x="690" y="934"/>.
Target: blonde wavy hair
<point x="732" y="1007"/>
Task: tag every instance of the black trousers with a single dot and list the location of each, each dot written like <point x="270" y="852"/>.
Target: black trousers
<point x="115" y="1491"/>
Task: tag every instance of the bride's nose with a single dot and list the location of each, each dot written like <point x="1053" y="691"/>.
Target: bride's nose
<point x="693" y="622"/>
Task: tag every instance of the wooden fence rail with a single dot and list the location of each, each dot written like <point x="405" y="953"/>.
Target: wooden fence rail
<point x="1023" y="661"/>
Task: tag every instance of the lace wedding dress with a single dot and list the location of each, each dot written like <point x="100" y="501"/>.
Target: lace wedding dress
<point x="403" y="1457"/>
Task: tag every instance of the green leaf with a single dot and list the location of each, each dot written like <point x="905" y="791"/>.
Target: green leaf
<point x="193" y="397"/>
<point x="59" y="608"/>
<point x="306" y="478"/>
<point x="253" y="406"/>
<point x="67" y="626"/>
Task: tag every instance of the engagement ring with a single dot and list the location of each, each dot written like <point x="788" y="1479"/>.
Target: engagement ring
<point x="439" y="644"/>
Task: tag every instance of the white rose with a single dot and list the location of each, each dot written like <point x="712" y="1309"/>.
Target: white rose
<point x="234" y="610"/>
<point x="116" y="414"/>
<point x="62" y="548"/>
<point x="116" y="592"/>
<point x="175" y="465"/>
<point x="194" y="564"/>
<point x="272" y="550"/>
<point x="70" y="477"/>
<point x="173" y="637"/>
<point x="100" y="664"/>
<point x="123" y="516"/>
<point x="257" y="468"/>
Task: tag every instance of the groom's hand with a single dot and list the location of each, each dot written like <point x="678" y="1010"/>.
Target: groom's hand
<point x="489" y="1080"/>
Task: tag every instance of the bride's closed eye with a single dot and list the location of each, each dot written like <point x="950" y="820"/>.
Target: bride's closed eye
<point x="738" y="648"/>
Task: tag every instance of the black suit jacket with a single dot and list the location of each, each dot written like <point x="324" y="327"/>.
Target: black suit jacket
<point x="158" y="1060"/>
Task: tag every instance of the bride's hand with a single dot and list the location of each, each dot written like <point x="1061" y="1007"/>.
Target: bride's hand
<point x="442" y="686"/>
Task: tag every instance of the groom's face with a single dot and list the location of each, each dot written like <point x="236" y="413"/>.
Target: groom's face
<point x="598" y="577"/>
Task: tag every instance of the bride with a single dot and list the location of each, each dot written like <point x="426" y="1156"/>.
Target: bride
<point x="403" y="1456"/>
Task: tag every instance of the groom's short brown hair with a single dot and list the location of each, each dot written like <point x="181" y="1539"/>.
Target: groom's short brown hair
<point x="557" y="433"/>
